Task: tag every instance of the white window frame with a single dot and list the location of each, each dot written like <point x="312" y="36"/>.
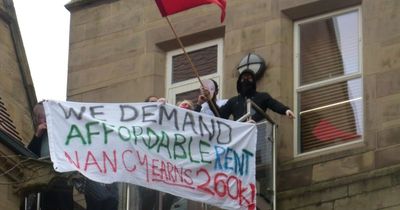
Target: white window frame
<point x="192" y="84"/>
<point x="298" y="88"/>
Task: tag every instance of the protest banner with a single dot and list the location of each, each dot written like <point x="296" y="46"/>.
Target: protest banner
<point x="162" y="147"/>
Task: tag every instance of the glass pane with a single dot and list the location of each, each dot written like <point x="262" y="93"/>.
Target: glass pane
<point x="189" y="95"/>
<point x="204" y="59"/>
<point x="331" y="115"/>
<point x="329" y="48"/>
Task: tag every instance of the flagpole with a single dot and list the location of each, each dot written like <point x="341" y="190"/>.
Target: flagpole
<point x="195" y="71"/>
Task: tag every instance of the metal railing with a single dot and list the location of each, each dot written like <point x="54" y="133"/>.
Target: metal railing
<point x="265" y="165"/>
<point x="265" y="157"/>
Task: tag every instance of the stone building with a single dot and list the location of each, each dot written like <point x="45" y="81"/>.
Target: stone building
<point x="335" y="62"/>
<point x="17" y="97"/>
<point x="21" y="172"/>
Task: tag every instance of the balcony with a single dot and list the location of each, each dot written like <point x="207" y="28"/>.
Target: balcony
<point x="40" y="176"/>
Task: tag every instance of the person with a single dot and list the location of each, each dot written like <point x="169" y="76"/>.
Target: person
<point x="39" y="144"/>
<point x="59" y="196"/>
<point x="186" y="104"/>
<point x="149" y="197"/>
<point x="247" y="89"/>
<point x="155" y="99"/>
<point x="202" y="104"/>
<point x="101" y="196"/>
<point x="151" y="99"/>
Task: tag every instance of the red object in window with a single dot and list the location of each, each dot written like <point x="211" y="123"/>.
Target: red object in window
<point x="169" y="7"/>
<point x="325" y="131"/>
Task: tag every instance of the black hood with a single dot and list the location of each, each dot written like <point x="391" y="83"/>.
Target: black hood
<point x="239" y="84"/>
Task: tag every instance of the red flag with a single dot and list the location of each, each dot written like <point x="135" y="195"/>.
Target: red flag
<point x="169" y="7"/>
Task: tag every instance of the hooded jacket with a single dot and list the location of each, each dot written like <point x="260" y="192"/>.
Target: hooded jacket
<point x="236" y="106"/>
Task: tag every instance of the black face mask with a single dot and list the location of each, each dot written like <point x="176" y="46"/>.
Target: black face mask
<point x="247" y="88"/>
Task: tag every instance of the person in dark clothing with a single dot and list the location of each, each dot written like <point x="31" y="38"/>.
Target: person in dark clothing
<point x="202" y="104"/>
<point x="246" y="87"/>
<point x="59" y="195"/>
<point x="39" y="144"/>
<point x="101" y="196"/>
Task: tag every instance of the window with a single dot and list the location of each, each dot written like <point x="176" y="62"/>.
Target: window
<point x="182" y="84"/>
<point x="6" y="123"/>
<point x="181" y="80"/>
<point x="328" y="80"/>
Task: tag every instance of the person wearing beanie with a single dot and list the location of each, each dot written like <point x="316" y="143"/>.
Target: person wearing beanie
<point x="247" y="89"/>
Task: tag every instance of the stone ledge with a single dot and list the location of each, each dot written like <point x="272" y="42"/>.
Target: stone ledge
<point x="78" y="4"/>
<point x="369" y="185"/>
<point x="324" y="156"/>
<point x="316" y="8"/>
<point x="338" y="182"/>
<point x="195" y="38"/>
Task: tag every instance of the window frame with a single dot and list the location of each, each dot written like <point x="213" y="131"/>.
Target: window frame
<point x="173" y="89"/>
<point x="300" y="88"/>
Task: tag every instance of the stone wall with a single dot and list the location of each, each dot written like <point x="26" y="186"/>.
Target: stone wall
<point x="362" y="175"/>
<point x="118" y="50"/>
<point x="116" y="46"/>
<point x="366" y="191"/>
<point x="13" y="91"/>
<point x="109" y="59"/>
<point x="16" y="92"/>
<point x="9" y="199"/>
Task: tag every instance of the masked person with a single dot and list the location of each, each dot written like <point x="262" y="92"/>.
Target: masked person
<point x="247" y="89"/>
<point x="202" y="104"/>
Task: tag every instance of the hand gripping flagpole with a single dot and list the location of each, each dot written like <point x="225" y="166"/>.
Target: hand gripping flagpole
<point x="195" y="71"/>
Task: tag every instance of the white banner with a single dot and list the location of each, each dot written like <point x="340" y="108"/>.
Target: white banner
<point x="157" y="146"/>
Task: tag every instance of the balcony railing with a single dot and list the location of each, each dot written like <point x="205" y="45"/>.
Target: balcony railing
<point x="265" y="175"/>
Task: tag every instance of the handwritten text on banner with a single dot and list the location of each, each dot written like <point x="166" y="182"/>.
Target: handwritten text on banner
<point x="162" y="147"/>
